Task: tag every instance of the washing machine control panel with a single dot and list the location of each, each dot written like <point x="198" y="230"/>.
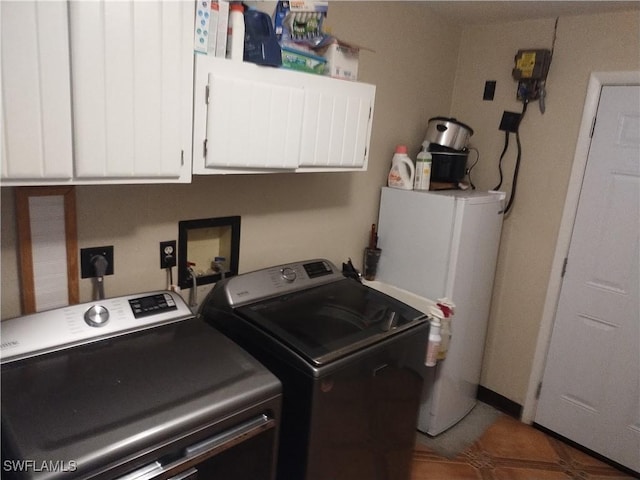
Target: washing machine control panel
<point x="152" y="304"/>
<point x="96" y="316"/>
<point x="288" y="274"/>
<point x="73" y="325"/>
<point x="279" y="280"/>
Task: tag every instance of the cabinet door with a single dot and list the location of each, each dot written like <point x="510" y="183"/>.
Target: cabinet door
<point x="132" y="67"/>
<point x="336" y="124"/>
<point x="256" y="119"/>
<point x="36" y="98"/>
<point x="252" y="124"/>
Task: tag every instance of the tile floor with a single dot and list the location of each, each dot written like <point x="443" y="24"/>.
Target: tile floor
<point x="512" y="450"/>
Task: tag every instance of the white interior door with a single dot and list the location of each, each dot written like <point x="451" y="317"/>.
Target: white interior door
<point x="590" y="390"/>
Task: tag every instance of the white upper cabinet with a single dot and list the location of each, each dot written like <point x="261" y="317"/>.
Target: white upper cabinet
<point x="250" y="118"/>
<point x="132" y="76"/>
<point x="336" y="124"/>
<point x="251" y="123"/>
<point x="36" y="95"/>
<point x="97" y="91"/>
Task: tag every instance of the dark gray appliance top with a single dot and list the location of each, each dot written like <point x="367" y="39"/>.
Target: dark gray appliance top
<point x="92" y="405"/>
<point x="73" y="325"/>
<point x="278" y="280"/>
<point x="314" y="311"/>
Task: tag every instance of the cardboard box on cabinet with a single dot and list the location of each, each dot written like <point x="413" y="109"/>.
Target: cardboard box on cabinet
<point x="342" y="59"/>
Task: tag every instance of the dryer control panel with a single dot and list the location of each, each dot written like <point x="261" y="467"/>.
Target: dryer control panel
<point x="279" y="280"/>
<point x="65" y="327"/>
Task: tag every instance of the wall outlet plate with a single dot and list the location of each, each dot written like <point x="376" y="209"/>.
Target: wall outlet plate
<point x="168" y="254"/>
<point x="87" y="269"/>
<point x="489" y="90"/>
<point x="510" y="122"/>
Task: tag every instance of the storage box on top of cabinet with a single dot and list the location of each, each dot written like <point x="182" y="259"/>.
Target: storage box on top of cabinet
<point x="254" y="119"/>
<point x="342" y="59"/>
<point x="96" y="92"/>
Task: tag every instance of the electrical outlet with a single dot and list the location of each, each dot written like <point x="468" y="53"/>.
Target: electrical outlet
<point x="87" y="269"/>
<point x="168" y="254"/>
<point x="510" y="122"/>
<point x="489" y="90"/>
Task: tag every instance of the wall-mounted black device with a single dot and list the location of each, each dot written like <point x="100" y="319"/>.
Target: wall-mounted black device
<point x="510" y="122"/>
<point x="88" y="258"/>
<point x="532" y="64"/>
<point x="531" y="69"/>
<point x="489" y="90"/>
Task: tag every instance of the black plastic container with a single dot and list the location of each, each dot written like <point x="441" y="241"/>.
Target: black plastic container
<point x="260" y="43"/>
<point x="448" y="165"/>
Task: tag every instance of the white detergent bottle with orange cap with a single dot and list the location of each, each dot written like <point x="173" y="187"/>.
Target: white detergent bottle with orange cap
<point x="402" y="170"/>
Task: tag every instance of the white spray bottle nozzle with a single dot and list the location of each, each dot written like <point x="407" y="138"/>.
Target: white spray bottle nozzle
<point x="446" y="301"/>
<point x="436" y="313"/>
<point x="447" y="306"/>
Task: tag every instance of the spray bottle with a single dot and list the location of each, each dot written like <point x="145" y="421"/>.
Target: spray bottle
<point x="447" y="307"/>
<point x="423" y="168"/>
<point x="434" y="336"/>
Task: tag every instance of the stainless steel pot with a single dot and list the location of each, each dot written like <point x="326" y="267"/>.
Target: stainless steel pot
<point x="448" y="132"/>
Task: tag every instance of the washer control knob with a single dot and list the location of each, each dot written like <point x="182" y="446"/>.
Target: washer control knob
<point x="96" y="316"/>
<point x="288" y="274"/>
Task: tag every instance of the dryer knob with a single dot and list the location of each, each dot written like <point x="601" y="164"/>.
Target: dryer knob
<point x="288" y="274"/>
<point x="96" y="316"/>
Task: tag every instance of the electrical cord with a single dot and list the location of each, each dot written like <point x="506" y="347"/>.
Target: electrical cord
<point x="542" y="93"/>
<point x="169" y="271"/>
<point x="473" y="187"/>
<point x="515" y="176"/>
<point x="516" y="170"/>
<point x="504" y="150"/>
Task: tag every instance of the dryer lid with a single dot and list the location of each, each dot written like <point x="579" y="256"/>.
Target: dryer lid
<point x="98" y="403"/>
<point x="330" y="321"/>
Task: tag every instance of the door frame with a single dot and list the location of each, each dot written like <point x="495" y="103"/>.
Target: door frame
<point x="596" y="81"/>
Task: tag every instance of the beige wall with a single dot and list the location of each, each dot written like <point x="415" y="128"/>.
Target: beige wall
<point x="286" y="217"/>
<point x="584" y="44"/>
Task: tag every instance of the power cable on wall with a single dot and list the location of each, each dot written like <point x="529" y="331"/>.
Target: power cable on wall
<point x="510" y="123"/>
<point x="516" y="170"/>
<point x="504" y="150"/>
<point x="532" y="67"/>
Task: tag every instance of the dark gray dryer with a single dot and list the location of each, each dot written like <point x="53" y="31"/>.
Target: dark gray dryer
<point x="133" y="387"/>
<point x="349" y="358"/>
